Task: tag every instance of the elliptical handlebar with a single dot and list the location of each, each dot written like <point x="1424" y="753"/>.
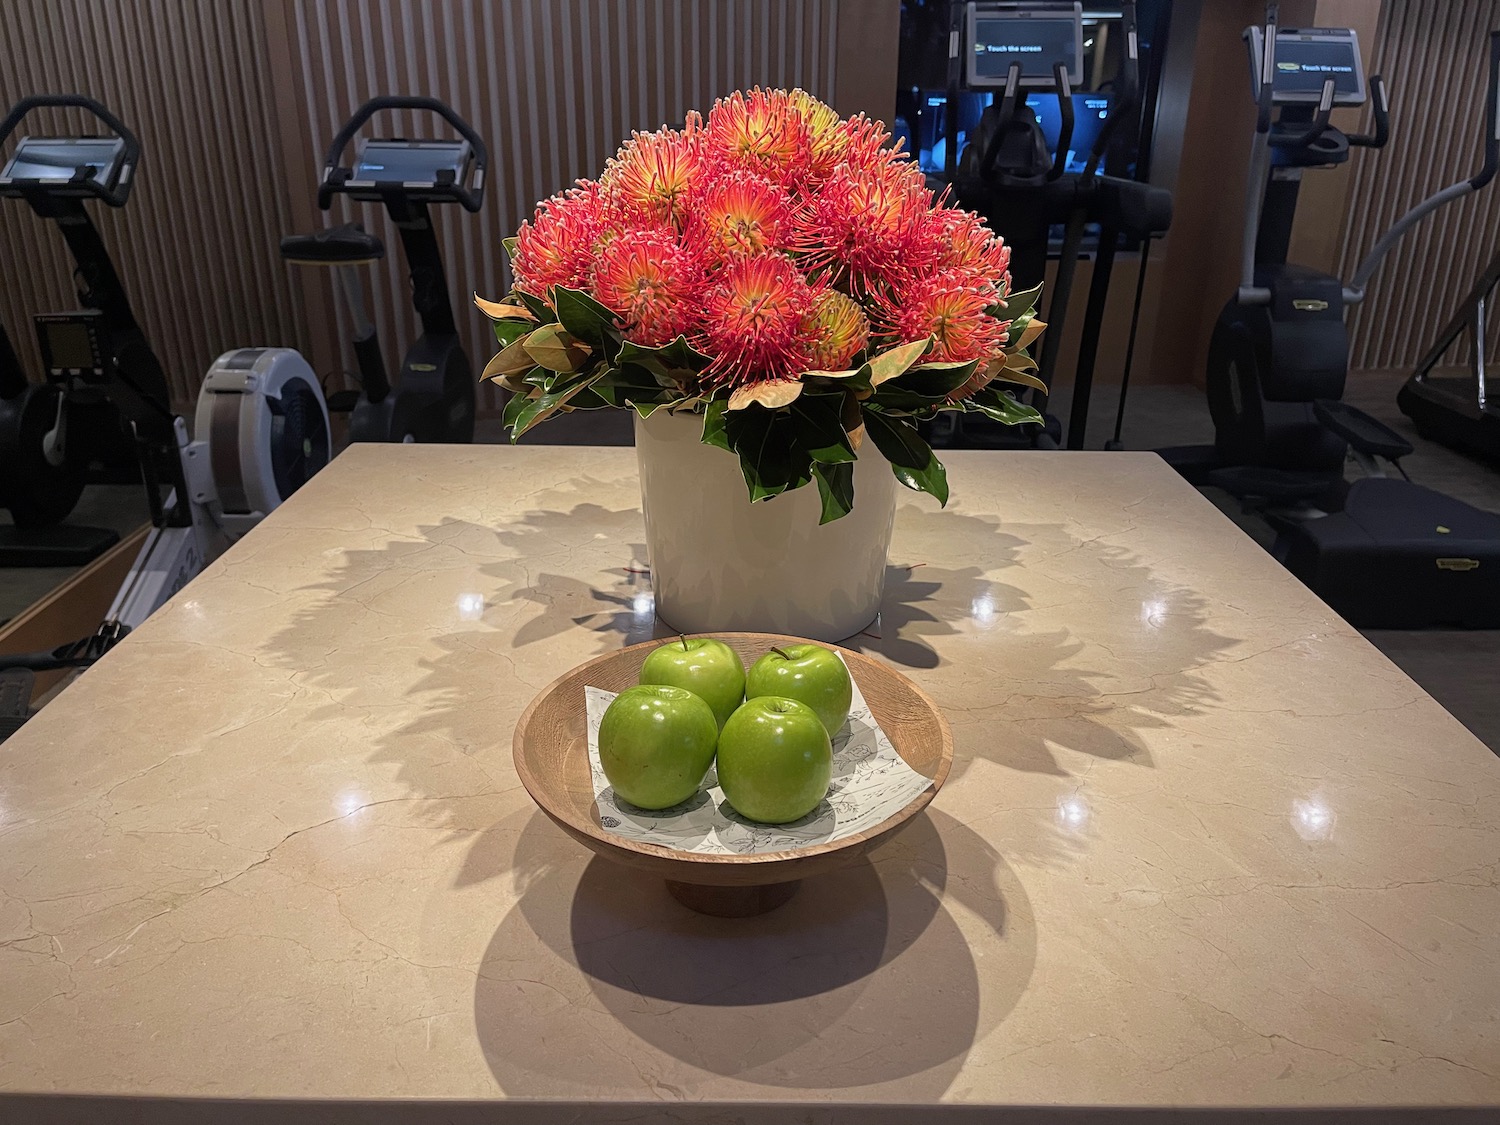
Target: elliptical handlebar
<point x="1065" y="130"/>
<point x="471" y="198"/>
<point x="1491" y="164"/>
<point x="114" y="197"/>
<point x="1267" y="72"/>
<point x="1129" y="92"/>
<point x="1382" y="108"/>
<point x="1354" y="292"/>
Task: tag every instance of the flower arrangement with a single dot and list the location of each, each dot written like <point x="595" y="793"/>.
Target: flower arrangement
<point x="782" y="271"/>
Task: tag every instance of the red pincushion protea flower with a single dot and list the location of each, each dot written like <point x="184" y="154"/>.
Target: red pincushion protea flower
<point x="950" y="307"/>
<point x="868" y="223"/>
<point x="741" y="213"/>
<point x="649" y="278"/>
<point x="837" y="328"/>
<point x="759" y="132"/>
<point x="961" y="238"/>
<point x="557" y="246"/>
<point x="653" y="174"/>
<point x="752" y="322"/>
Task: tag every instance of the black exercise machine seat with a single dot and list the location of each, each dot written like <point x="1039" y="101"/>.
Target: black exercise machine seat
<point x="345" y="245"/>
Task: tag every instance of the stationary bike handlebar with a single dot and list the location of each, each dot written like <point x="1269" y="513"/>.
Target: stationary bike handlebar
<point x="1317" y="128"/>
<point x="1382" y="107"/>
<point x="470" y="198"/>
<point x="1065" y="130"/>
<point x="116" y="196"/>
<point x="1129" y="92"/>
<point x="1354" y="292"/>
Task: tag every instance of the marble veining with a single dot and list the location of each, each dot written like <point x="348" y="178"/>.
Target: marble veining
<point x="1201" y="845"/>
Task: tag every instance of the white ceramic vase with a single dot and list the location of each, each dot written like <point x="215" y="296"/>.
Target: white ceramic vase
<point x="722" y="564"/>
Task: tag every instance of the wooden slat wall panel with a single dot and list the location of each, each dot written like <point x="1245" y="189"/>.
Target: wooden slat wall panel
<point x="196" y="244"/>
<point x="235" y="103"/>
<point x="552" y="85"/>
<point x="1433" y="54"/>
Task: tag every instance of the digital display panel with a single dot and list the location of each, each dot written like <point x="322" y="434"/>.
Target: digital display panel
<point x="67" y="344"/>
<point x="1307" y="58"/>
<point x="1037" y="41"/>
<point x="418" y="162"/>
<point x="55" y="159"/>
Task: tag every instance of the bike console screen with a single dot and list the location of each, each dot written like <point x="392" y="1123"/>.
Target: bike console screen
<point x="411" y="162"/>
<point x="1306" y="59"/>
<point x="57" y="159"/>
<point x="1036" y="36"/>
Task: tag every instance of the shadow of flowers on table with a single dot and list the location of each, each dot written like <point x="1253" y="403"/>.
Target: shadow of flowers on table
<point x="879" y="960"/>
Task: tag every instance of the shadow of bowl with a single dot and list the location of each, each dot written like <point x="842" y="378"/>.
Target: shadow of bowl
<point x="867" y="977"/>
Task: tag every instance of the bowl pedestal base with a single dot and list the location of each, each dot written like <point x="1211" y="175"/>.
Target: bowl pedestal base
<point x="732" y="902"/>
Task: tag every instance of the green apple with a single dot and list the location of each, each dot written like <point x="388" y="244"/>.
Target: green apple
<point x="656" y="743"/>
<point x="775" y="760"/>
<point x="709" y="669"/>
<point x="808" y="673"/>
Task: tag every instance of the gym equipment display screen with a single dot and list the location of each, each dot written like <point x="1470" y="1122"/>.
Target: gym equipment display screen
<point x="67" y="345"/>
<point x="410" y="162"/>
<point x="1038" y="38"/>
<point x="56" y="159"/>
<point x="1307" y="59"/>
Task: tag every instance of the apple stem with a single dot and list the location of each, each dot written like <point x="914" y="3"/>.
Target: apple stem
<point x="683" y="639"/>
<point x="779" y="653"/>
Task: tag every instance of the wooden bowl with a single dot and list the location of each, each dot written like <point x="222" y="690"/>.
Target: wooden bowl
<point x="551" y="756"/>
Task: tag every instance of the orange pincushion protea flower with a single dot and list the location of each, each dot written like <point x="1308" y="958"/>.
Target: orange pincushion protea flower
<point x="741" y="213"/>
<point x="950" y="306"/>
<point x="557" y="246"/>
<point x="837" y="329"/>
<point x="868" y="224"/>
<point x="650" y="279"/>
<point x="759" y="132"/>
<point x="651" y="177"/>
<point x="752" y="322"/>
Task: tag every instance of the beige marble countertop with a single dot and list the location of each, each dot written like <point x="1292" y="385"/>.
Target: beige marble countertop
<point x="1202" y="844"/>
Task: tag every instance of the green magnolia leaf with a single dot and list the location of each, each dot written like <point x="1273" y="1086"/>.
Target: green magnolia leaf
<point x="539" y="308"/>
<point x="1015" y="305"/>
<point x="766" y="450"/>
<point x="510" y="247"/>
<point x="836" y="487"/>
<point x="556" y="349"/>
<point x="820" y="432"/>
<point x="509" y="331"/>
<point x="540" y="409"/>
<point x="619" y="387"/>
<point x="584" y="317"/>
<point x="934" y="380"/>
<point x="675" y="363"/>
<point x="1000" y="406"/>
<point x="911" y="458"/>
<point x="713" y="424"/>
<point x="513" y="407"/>
<point x="893" y="399"/>
<point x="889" y="364"/>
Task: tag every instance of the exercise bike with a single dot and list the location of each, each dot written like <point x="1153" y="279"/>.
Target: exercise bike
<point x="261" y="425"/>
<point x="433" y="398"/>
<point x="1382" y="551"/>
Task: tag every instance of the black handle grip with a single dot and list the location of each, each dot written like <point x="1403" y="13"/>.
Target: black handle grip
<point x="114" y="197"/>
<point x="1382" y="109"/>
<point x="471" y="199"/>
<point x="1065" y="132"/>
<point x="1491" y="119"/>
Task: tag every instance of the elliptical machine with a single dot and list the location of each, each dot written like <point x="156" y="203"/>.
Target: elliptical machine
<point x="261" y="422"/>
<point x="1010" y="174"/>
<point x="1383" y="552"/>
<point x="433" y="398"/>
